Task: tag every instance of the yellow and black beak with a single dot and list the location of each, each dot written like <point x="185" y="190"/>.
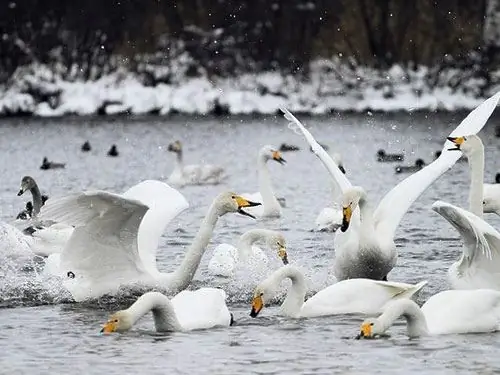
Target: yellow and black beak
<point x="257" y="305"/>
<point x="242" y="202"/>
<point x="109" y="327"/>
<point x="457" y="141"/>
<point x="283" y="255"/>
<point x="277" y="157"/>
<point x="346" y="218"/>
<point x="365" y="332"/>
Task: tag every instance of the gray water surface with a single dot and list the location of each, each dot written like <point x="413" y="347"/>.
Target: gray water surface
<point x="43" y="332"/>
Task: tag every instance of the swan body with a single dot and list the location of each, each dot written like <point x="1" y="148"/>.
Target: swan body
<point x="365" y="245"/>
<point x="116" y="238"/>
<point x="448" y="312"/>
<point x="361" y="296"/>
<point x="226" y="257"/>
<point x="196" y="174"/>
<point x="189" y="310"/>
<point x="270" y="207"/>
<point x="419" y="164"/>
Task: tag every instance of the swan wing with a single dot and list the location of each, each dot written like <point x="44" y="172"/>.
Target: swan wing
<point x="202" y="308"/>
<point x="102" y="252"/>
<point x="223" y="261"/>
<point x="164" y="203"/>
<point x="396" y="202"/>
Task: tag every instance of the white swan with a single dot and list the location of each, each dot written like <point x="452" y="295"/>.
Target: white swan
<point x="271" y="206"/>
<point x="365" y="245"/>
<point x="491" y="198"/>
<point x="110" y="247"/>
<point x="448" y="312"/>
<point x="479" y="264"/>
<point x="196" y="174"/>
<point x="362" y="296"/>
<point x="227" y="257"/>
<point x="330" y="218"/>
<point x="189" y="310"/>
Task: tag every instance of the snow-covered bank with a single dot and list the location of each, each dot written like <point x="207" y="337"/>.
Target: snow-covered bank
<point x="39" y="91"/>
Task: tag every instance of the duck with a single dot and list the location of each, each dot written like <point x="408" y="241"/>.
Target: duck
<point x="189" y="310"/>
<point x="419" y="164"/>
<point x="196" y="174"/>
<point x="226" y="257"/>
<point x="271" y="206"/>
<point x="86" y="147"/>
<point x="382" y="156"/>
<point x="367" y="249"/>
<point x="285" y="147"/>
<point x="447" y="312"/>
<point x="113" y="151"/>
<point x="46" y="164"/>
<point x="117" y="235"/>
<point x="353" y="296"/>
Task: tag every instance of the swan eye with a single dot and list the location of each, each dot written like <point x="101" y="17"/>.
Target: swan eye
<point x="261" y="294"/>
<point x="70" y="274"/>
<point x="233" y="197"/>
<point x="116" y="321"/>
<point x="484" y="202"/>
<point x="371" y="324"/>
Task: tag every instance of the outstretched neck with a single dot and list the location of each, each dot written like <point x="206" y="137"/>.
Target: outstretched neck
<point x="37" y="199"/>
<point x="179" y="160"/>
<point x="248" y="239"/>
<point x="163" y="311"/>
<point x="271" y="204"/>
<point x="296" y="294"/>
<point x="476" y="165"/>
<point x="416" y="324"/>
<point x="185" y="273"/>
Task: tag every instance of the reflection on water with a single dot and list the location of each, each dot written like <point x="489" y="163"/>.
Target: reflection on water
<point x="43" y="333"/>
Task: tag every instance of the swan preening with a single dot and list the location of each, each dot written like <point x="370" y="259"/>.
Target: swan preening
<point x="362" y="296"/>
<point x="189" y="310"/>
<point x="448" y="312"/>
<point x="116" y="237"/>
<point x="202" y="174"/>
<point x="226" y="258"/>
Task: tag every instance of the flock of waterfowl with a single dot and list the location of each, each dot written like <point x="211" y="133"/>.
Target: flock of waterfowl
<point x="98" y="242"/>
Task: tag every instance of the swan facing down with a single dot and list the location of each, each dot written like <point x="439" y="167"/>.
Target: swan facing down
<point x="271" y="206"/>
<point x="365" y="245"/>
<point x="448" y="312"/>
<point x="196" y="174"/>
<point x="361" y="296"/>
<point x="226" y="257"/>
<point x="189" y="310"/>
<point x="116" y="237"/>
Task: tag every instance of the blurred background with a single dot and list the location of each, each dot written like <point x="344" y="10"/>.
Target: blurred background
<point x="226" y="56"/>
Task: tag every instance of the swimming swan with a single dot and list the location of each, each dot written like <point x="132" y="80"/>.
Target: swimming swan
<point x="362" y="296"/>
<point x="448" y="312"/>
<point x="196" y="174"/>
<point x="479" y="264"/>
<point x="189" y="310"/>
<point x="226" y="257"/>
<point x="365" y="245"/>
<point x="116" y="239"/>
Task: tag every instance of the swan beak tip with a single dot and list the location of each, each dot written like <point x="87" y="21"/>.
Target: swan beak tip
<point x="257" y="305"/>
<point x="109" y="327"/>
<point x="21" y="192"/>
<point x="277" y="157"/>
<point x="457" y="141"/>
<point x="242" y="202"/>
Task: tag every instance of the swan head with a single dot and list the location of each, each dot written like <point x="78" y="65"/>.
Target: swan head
<point x="120" y="321"/>
<point x="175" y="147"/>
<point x="230" y="202"/>
<point x="350" y="201"/>
<point x="467" y="144"/>
<point x="258" y="301"/>
<point x="27" y="183"/>
<point x="271" y="153"/>
<point x="370" y="328"/>
<point x="276" y="241"/>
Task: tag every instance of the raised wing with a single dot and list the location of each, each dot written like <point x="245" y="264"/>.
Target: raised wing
<point x="164" y="203"/>
<point x="396" y="202"/>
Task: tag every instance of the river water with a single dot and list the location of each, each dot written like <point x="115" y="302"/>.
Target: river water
<point x="43" y="332"/>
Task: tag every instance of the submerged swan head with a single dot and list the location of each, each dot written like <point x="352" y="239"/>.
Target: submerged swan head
<point x="230" y="202"/>
<point x="27" y="183"/>
<point x="370" y="328"/>
<point x="271" y="153"/>
<point x="350" y="201"/>
<point x="467" y="144"/>
<point x="277" y="242"/>
<point x="120" y="321"/>
<point x="175" y="147"/>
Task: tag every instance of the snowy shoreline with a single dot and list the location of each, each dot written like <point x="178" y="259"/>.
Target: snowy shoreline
<point x="38" y="91"/>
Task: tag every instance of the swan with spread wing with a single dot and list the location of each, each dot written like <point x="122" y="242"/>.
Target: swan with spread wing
<point x="116" y="238"/>
<point x="365" y="245"/>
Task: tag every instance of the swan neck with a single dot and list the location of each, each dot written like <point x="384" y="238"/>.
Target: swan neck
<point x="179" y="159"/>
<point x="163" y="311"/>
<point x="416" y="323"/>
<point x="476" y="165"/>
<point x="185" y="273"/>
<point x="247" y="240"/>
<point x="37" y="199"/>
<point x="265" y="186"/>
<point x="365" y="211"/>
<point x="292" y="305"/>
